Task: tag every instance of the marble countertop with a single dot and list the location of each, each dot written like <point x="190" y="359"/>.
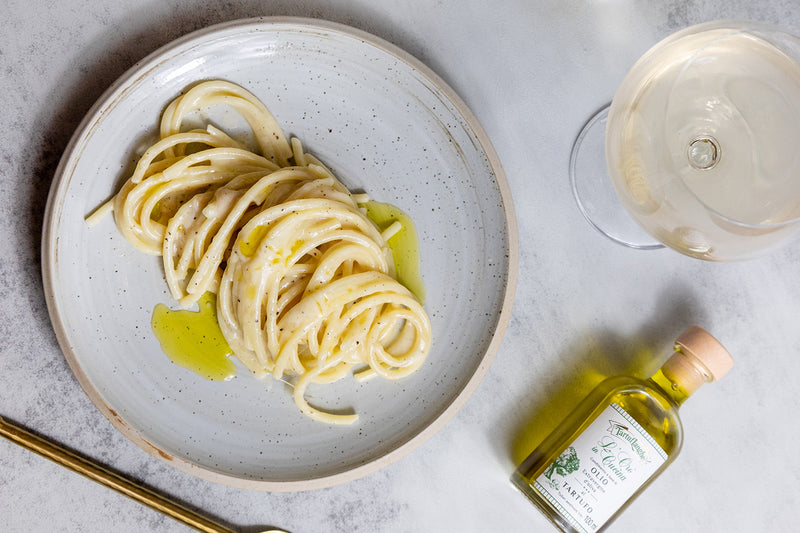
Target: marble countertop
<point x="532" y="72"/>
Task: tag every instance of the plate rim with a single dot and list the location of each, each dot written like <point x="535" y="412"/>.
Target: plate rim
<point x="49" y="254"/>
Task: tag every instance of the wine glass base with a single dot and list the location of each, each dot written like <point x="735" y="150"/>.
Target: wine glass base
<point x="594" y="192"/>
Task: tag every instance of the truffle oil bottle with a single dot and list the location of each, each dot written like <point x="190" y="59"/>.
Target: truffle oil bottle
<point x="618" y="439"/>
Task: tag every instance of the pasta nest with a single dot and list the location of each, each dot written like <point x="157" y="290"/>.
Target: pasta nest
<point x="305" y="282"/>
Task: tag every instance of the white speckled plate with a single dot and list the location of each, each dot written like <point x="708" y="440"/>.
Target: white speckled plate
<point x="385" y="124"/>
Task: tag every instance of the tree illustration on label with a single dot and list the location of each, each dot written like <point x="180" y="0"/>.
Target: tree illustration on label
<point x="564" y="464"/>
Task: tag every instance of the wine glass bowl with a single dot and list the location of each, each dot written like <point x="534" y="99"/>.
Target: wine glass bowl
<point x="702" y="137"/>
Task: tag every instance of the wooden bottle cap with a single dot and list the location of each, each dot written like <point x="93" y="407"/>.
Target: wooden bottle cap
<point x="715" y="360"/>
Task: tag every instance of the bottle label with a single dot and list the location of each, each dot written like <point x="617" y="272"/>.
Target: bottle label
<point x="600" y="470"/>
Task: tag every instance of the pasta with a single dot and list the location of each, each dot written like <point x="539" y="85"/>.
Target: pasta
<point x="304" y="280"/>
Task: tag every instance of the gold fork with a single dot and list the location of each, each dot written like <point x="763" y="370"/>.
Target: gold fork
<point x="110" y="479"/>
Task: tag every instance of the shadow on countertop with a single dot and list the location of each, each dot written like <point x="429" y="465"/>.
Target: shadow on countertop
<point x="595" y="355"/>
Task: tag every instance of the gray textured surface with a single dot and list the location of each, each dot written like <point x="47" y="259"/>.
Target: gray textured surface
<point x="532" y="72"/>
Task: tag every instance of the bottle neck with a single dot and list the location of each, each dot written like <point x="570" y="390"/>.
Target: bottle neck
<point x="680" y="376"/>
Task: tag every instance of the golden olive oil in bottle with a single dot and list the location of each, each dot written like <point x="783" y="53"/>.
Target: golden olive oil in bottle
<point x="618" y="439"/>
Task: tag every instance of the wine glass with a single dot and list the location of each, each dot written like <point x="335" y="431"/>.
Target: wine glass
<point x="702" y="145"/>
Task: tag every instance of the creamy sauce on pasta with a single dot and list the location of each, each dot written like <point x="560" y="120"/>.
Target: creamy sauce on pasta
<point x="306" y="283"/>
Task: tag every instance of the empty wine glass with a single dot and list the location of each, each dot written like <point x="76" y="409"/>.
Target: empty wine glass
<point x="702" y="145"/>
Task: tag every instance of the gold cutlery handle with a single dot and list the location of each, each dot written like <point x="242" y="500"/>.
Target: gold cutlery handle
<point x="95" y="472"/>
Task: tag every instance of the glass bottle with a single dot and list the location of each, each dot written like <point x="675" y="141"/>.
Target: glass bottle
<point x="618" y="439"/>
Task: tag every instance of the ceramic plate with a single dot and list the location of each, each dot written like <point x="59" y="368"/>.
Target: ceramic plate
<point x="385" y="124"/>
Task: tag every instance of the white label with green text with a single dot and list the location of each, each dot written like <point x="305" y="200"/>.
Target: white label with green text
<point x="600" y="470"/>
